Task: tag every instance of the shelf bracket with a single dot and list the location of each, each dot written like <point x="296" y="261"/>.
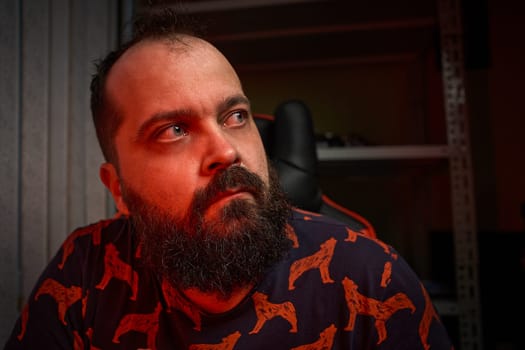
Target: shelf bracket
<point x="463" y="203"/>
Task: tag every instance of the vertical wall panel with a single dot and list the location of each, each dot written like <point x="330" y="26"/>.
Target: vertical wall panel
<point x="77" y="114"/>
<point x="9" y="162"/>
<point x="99" y="37"/>
<point x="58" y="123"/>
<point x="48" y="148"/>
<point x="35" y="104"/>
<point x="93" y="27"/>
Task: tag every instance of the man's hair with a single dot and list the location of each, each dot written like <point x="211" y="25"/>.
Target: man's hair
<point x="165" y="24"/>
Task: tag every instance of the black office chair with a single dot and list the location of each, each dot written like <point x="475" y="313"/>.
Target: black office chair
<point x="289" y="139"/>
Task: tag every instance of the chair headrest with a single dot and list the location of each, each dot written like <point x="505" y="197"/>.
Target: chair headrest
<point x="294" y="136"/>
<point x="289" y="139"/>
<point x="291" y="146"/>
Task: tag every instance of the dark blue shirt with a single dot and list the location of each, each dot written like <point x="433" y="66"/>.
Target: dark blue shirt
<point x="335" y="289"/>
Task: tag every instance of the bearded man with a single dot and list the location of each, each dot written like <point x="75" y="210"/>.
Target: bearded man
<point x="206" y="252"/>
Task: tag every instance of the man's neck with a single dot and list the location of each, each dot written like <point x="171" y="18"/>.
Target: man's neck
<point x="214" y="303"/>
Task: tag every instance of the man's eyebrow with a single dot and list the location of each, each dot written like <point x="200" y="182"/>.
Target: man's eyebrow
<point x="232" y="101"/>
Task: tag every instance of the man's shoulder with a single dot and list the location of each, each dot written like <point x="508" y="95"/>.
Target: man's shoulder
<point x="314" y="227"/>
<point x="309" y="228"/>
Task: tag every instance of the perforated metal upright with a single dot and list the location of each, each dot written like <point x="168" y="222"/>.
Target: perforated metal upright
<point x="462" y="191"/>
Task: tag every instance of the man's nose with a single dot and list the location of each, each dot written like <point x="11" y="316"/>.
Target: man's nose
<point x="220" y="152"/>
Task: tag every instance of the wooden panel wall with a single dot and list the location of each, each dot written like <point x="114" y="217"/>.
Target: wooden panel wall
<point x="48" y="148"/>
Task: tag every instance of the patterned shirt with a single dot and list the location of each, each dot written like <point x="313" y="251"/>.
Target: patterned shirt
<point x="335" y="289"/>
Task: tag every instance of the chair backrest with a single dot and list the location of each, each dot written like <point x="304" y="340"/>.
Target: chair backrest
<point x="289" y="139"/>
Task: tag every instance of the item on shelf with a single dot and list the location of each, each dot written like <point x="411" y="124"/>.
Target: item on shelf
<point x="330" y="139"/>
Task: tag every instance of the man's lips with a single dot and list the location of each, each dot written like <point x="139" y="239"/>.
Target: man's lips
<point x="229" y="195"/>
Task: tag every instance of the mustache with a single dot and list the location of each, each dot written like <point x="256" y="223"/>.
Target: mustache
<point x="236" y="177"/>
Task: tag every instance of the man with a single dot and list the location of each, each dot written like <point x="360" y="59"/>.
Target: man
<point x="206" y="252"/>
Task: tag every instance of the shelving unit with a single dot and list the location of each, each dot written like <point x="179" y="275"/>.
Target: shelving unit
<point x="463" y="204"/>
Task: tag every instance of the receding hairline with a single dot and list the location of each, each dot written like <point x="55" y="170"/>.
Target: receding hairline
<point x="176" y="41"/>
<point x="176" y="44"/>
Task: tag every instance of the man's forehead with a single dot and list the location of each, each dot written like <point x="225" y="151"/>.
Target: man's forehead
<point x="175" y="42"/>
<point x="144" y="57"/>
<point x="156" y="71"/>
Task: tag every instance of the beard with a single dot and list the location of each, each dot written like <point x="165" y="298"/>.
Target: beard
<point x="217" y="255"/>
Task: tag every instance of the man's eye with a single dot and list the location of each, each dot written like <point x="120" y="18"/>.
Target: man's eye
<point x="171" y="133"/>
<point x="236" y="118"/>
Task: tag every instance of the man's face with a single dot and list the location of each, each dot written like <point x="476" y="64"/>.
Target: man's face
<point x="192" y="172"/>
<point x="184" y="118"/>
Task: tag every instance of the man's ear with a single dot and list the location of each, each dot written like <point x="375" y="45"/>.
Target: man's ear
<point x="108" y="175"/>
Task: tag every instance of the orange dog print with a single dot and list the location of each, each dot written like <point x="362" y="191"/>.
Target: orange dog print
<point x="78" y="343"/>
<point x="326" y="340"/>
<point x="64" y="296"/>
<point x="227" y="343"/>
<point x="290" y="233"/>
<point x="144" y="323"/>
<point x="89" y="334"/>
<point x="352" y="237"/>
<point x="320" y="260"/>
<point x="24" y="317"/>
<point x="359" y="304"/>
<point x="265" y="311"/>
<point x="386" y="276"/>
<point x="115" y="267"/>
<point x="429" y="314"/>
